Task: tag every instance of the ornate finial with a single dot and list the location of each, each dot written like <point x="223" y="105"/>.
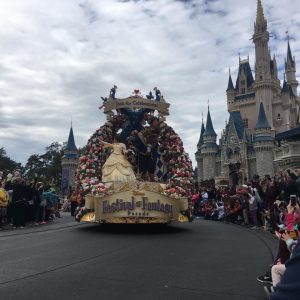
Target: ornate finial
<point x="260" y="13"/>
<point x="229" y="72"/>
<point x="287" y="35"/>
<point x="208" y="103"/>
<point x="239" y="57"/>
<point x="136" y="93"/>
<point x="283" y="76"/>
<point x="202" y="117"/>
<point x="71" y="121"/>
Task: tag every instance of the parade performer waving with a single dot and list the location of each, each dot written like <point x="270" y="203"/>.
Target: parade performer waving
<point x="117" y="168"/>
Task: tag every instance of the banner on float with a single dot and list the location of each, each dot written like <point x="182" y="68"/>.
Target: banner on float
<point x="135" y="204"/>
<point x="136" y="103"/>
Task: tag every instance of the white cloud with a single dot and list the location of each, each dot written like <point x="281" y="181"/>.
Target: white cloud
<point x="58" y="57"/>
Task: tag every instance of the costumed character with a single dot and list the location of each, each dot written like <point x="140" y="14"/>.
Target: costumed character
<point x="157" y="94"/>
<point x="135" y="121"/>
<point x="117" y="167"/>
<point x="112" y="93"/>
<point x="146" y="144"/>
<point x="150" y="96"/>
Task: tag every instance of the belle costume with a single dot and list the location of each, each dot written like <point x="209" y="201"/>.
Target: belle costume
<point x="117" y="167"/>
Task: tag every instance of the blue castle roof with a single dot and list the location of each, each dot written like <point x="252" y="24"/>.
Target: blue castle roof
<point x="209" y="129"/>
<point x="238" y="123"/>
<point x="249" y="77"/>
<point x="285" y="87"/>
<point x="200" y="142"/>
<point x="71" y="142"/>
<point x="291" y="134"/>
<point x="262" y="121"/>
<point x="230" y="86"/>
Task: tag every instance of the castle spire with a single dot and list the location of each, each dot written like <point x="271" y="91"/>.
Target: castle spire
<point x="290" y="69"/>
<point x="209" y="129"/>
<point x="71" y="141"/>
<point x="262" y="121"/>
<point x="289" y="53"/>
<point x="230" y="86"/>
<point x="200" y="142"/>
<point x="260" y="18"/>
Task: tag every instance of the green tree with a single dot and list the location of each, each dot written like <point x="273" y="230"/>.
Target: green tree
<point x="7" y="165"/>
<point x="47" y="167"/>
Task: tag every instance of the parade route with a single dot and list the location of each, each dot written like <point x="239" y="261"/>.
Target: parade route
<point x="199" y="260"/>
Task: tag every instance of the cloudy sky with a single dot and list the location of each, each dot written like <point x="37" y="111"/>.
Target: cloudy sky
<point x="58" y="57"/>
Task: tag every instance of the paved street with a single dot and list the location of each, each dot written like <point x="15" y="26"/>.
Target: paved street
<point x="199" y="260"/>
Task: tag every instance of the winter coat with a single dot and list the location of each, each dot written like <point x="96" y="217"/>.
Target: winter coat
<point x="19" y="192"/>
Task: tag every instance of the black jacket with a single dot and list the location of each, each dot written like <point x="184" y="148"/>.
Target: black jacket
<point x="19" y="192"/>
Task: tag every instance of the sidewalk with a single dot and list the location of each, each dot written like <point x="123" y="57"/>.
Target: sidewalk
<point x="66" y="220"/>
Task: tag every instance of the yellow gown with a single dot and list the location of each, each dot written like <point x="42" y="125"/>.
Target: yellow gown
<point x="117" y="167"/>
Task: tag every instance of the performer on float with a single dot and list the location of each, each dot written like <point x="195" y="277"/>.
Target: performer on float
<point x="146" y="143"/>
<point x="112" y="93"/>
<point x="117" y="168"/>
<point x="157" y="94"/>
<point x="135" y="120"/>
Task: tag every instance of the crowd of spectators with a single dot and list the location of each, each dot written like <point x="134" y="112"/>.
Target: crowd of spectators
<point x="24" y="202"/>
<point x="268" y="203"/>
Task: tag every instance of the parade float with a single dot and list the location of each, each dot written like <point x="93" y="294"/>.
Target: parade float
<point x="134" y="168"/>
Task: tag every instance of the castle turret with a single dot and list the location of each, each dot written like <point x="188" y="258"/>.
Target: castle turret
<point x="290" y="70"/>
<point x="230" y="94"/>
<point x="198" y="155"/>
<point x="69" y="164"/>
<point x="263" y="144"/>
<point x="261" y="39"/>
<point x="209" y="149"/>
<point x="264" y="81"/>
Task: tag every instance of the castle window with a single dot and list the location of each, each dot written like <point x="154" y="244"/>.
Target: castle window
<point x="243" y="82"/>
<point x="243" y="91"/>
<point x="278" y="117"/>
<point x="245" y="121"/>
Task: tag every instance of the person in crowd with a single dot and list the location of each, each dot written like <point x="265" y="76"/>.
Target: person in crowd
<point x="288" y="287"/>
<point x="8" y="188"/>
<point x="279" y="268"/>
<point x="254" y="200"/>
<point x="29" y="195"/>
<point x="18" y="201"/>
<point x="40" y="200"/>
<point x="244" y="201"/>
<point x="3" y="203"/>
<point x="233" y="209"/>
<point x="73" y="200"/>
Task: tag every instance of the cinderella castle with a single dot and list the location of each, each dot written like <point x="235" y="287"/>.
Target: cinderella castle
<point x="263" y="131"/>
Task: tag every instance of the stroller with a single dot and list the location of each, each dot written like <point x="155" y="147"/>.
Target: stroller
<point x="52" y="206"/>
